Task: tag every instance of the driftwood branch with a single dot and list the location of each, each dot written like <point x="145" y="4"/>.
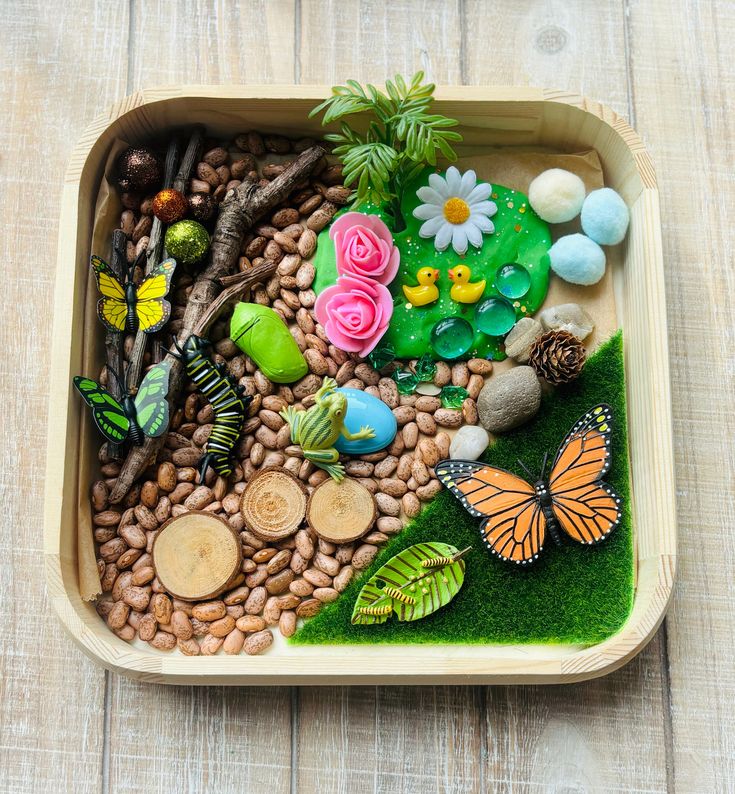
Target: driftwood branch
<point x="154" y="252"/>
<point x="239" y="211"/>
<point x="114" y="340"/>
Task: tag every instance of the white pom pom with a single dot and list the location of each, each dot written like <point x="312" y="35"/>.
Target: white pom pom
<point x="556" y="195"/>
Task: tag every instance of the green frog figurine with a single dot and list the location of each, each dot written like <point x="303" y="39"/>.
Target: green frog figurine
<point x="317" y="428"/>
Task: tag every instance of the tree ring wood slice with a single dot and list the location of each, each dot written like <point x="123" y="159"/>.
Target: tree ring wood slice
<point x="196" y="555"/>
<point x="274" y="504"/>
<point x="341" y="512"/>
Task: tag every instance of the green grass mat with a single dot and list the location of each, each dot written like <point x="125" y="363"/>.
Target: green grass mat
<point x="572" y="594"/>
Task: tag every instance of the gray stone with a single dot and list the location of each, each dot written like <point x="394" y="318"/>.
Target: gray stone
<point x="510" y="399"/>
<point x="522" y="335"/>
<point x="469" y="442"/>
<point x="568" y="317"/>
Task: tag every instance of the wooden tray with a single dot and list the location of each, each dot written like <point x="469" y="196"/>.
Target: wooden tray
<point x="488" y="116"/>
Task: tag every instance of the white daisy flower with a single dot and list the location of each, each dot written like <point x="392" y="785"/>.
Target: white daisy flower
<point x="456" y="210"/>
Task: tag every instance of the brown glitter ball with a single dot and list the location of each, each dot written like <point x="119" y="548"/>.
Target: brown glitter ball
<point x="201" y="206"/>
<point x="170" y="205"/>
<point x="138" y="169"/>
<point x="557" y="357"/>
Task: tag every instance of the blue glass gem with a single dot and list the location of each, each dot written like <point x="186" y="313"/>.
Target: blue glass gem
<point x="513" y="281"/>
<point x="452" y="337"/>
<point x="495" y="316"/>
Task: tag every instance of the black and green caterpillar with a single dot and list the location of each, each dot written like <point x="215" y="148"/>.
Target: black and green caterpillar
<point x="228" y="402"/>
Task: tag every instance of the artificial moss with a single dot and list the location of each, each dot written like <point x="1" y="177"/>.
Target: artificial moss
<point x="572" y="594"/>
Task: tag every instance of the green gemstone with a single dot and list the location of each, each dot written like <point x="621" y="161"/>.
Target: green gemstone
<point x="513" y="281"/>
<point x="495" y="316"/>
<point x="425" y="368"/>
<point x="381" y="356"/>
<point x="405" y="380"/>
<point x="452" y="337"/>
<point x="453" y="396"/>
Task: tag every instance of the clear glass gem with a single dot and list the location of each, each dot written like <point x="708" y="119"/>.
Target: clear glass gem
<point x="452" y="337"/>
<point x="513" y="281"/>
<point x="495" y="316"/>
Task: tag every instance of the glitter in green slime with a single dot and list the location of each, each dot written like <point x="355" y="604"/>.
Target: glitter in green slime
<point x="425" y="368"/>
<point x="513" y="281"/>
<point x="452" y="337"/>
<point x="495" y="316"/>
<point x="453" y="396"/>
<point x="406" y="381"/>
<point x="520" y="237"/>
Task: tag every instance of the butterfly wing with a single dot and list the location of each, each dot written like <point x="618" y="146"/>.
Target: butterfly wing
<point x="152" y="310"/>
<point x="153" y="314"/>
<point x="586" y="508"/>
<point x="111" y="308"/>
<point x="112" y="313"/>
<point x="157" y="283"/>
<point x="514" y="525"/>
<point x="150" y="403"/>
<point x="108" y="414"/>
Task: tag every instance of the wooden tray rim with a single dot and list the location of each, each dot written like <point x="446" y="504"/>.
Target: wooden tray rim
<point x="341" y="664"/>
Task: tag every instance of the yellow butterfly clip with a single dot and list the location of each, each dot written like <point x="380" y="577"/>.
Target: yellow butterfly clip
<point x="128" y="306"/>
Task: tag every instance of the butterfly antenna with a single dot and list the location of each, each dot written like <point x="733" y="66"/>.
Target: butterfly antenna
<point x="525" y="468"/>
<point x="117" y="378"/>
<point x="175" y="353"/>
<point x="543" y="464"/>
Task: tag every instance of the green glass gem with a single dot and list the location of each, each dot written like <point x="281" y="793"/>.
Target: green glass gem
<point x="405" y="380"/>
<point x="513" y="281"/>
<point x="453" y="396"/>
<point x="381" y="356"/>
<point x="452" y="337"/>
<point x="495" y="316"/>
<point x="425" y="368"/>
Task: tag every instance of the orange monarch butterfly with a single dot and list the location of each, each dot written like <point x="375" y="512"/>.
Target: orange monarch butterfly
<point x="516" y="514"/>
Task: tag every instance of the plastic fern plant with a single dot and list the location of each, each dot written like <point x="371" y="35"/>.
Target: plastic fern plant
<point x="402" y="137"/>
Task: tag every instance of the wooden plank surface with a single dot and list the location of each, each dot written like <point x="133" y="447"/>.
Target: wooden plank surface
<point x="662" y="723"/>
<point x="60" y="63"/>
<point x="680" y="59"/>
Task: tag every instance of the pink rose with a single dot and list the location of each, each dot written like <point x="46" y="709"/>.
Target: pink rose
<point x="364" y="247"/>
<point x="355" y="313"/>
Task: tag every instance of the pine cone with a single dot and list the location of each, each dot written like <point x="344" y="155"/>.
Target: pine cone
<point x="557" y="357"/>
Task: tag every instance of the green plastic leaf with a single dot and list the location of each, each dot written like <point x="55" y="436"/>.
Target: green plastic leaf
<point x="413" y="584"/>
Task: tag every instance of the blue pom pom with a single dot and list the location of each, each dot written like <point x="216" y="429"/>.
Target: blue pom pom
<point x="577" y="259"/>
<point x="605" y="216"/>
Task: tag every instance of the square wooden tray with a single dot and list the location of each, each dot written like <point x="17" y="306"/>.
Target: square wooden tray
<point x="488" y="117"/>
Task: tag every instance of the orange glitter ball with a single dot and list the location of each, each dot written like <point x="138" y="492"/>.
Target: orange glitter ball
<point x="170" y="205"/>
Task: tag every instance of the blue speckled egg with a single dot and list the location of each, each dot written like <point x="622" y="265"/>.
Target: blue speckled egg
<point x="364" y="409"/>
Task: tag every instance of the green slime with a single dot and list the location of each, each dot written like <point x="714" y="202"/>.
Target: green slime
<point x="520" y="236"/>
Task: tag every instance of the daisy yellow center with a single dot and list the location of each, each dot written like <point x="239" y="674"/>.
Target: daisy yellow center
<point x="456" y="210"/>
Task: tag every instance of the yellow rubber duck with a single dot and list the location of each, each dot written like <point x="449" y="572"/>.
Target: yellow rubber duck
<point x="427" y="291"/>
<point x="463" y="291"/>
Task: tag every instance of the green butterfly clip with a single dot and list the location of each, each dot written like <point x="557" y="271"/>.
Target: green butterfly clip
<point x="146" y="414"/>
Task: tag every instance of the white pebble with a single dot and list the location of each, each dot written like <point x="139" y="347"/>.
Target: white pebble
<point x="469" y="442"/>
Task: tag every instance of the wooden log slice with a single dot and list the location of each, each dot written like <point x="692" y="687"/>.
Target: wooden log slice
<point x="341" y="512"/>
<point x="273" y="504"/>
<point x="196" y="555"/>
